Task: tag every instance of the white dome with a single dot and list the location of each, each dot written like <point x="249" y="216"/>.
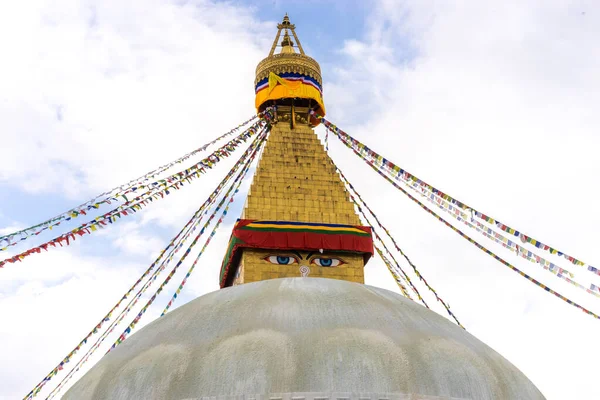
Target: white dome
<point x="298" y="338"/>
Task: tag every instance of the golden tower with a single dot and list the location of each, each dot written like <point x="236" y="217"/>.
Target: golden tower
<point x="298" y="219"/>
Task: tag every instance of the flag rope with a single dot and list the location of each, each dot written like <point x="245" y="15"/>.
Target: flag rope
<point x="336" y="130"/>
<point x="132" y="206"/>
<point x="416" y="271"/>
<point x="8" y="240"/>
<point x="403" y="274"/>
<point x="394" y="273"/>
<point x="459" y="215"/>
<point x="191" y="269"/>
<point x="175" y="244"/>
<point x="243" y="160"/>
<point x="407" y="176"/>
<point x="235" y="188"/>
<point x="498" y="238"/>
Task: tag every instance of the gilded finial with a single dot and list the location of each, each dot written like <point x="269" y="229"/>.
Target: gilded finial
<point x="289" y="74"/>
<point x="287" y="44"/>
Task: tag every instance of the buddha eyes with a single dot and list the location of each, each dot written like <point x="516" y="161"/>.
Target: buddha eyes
<point x="319" y="261"/>
<point x="327" y="262"/>
<point x="281" y="260"/>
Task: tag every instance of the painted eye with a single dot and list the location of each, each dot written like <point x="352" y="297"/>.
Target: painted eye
<point x="281" y="260"/>
<point x="327" y="262"/>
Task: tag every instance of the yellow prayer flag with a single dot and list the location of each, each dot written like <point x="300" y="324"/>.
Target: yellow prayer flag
<point x="275" y="79"/>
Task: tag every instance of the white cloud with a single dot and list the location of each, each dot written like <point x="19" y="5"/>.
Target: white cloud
<point x="58" y="299"/>
<point x="131" y="239"/>
<point x="10" y="229"/>
<point x="495" y="104"/>
<point x="91" y="96"/>
<point x="100" y="87"/>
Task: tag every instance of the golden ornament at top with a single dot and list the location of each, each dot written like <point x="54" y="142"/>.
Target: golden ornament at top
<point x="276" y="69"/>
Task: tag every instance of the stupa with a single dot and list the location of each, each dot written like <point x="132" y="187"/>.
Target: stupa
<point x="293" y="319"/>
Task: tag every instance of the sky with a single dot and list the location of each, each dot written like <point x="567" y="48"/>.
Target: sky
<point x="496" y="103"/>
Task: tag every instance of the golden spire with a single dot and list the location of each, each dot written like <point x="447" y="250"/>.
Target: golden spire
<point x="298" y="219"/>
<point x="287" y="26"/>
<point x="287" y="46"/>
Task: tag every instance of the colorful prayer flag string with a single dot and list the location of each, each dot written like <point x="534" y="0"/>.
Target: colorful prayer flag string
<point x="488" y="232"/>
<point x="107" y="318"/>
<point x="131" y="206"/>
<point x="403" y="275"/>
<point x="505" y="242"/>
<point x="175" y="244"/>
<point x="458" y="231"/>
<point x="394" y="273"/>
<point x="189" y="273"/>
<point x="243" y="160"/>
<point x="416" y="271"/>
<point x="135" y="321"/>
<point x="403" y="174"/>
<point x="163" y="183"/>
<point x="10" y="239"/>
<point x="546" y="288"/>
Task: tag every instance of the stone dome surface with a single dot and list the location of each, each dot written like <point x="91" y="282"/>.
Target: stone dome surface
<point x="303" y="338"/>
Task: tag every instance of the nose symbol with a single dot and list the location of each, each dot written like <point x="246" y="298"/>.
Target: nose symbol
<point x="304" y="271"/>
